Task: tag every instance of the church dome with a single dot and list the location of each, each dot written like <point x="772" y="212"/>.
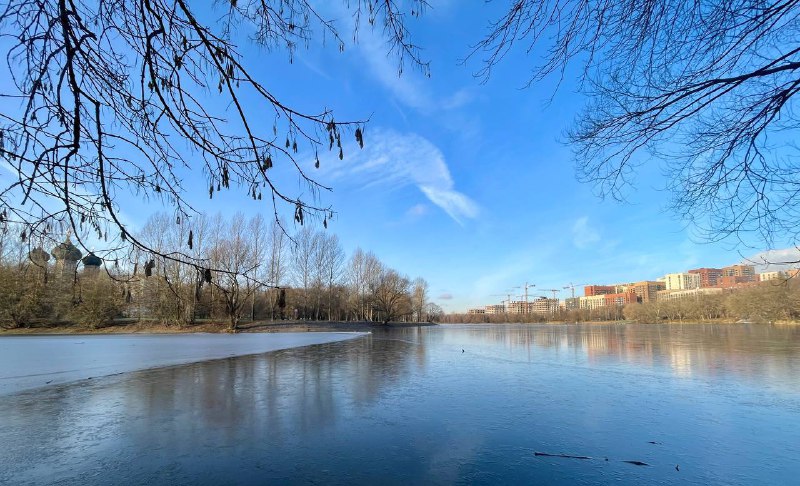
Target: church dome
<point x="66" y="251"/>
<point x="38" y="255"/>
<point x="92" y="260"/>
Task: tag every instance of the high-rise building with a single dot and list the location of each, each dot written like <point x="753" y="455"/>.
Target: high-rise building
<point x="684" y="294"/>
<point x="543" y="305"/>
<point x="739" y="271"/>
<point x="607" y="300"/>
<point x="681" y="281"/>
<point x="572" y="303"/>
<point x="646" y="290"/>
<point x="709" y="277"/>
<point x="591" y="290"/>
<point x="518" y="307"/>
<point x="495" y="309"/>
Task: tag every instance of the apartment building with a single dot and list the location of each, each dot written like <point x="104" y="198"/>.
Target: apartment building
<point x="681" y="281"/>
<point x="572" y="303"/>
<point x="607" y="300"/>
<point x="543" y="305"/>
<point x="684" y="294"/>
<point x="737" y="281"/>
<point x="646" y="290"/>
<point x="518" y="307"/>
<point x="739" y="271"/>
<point x="592" y="290"/>
<point x="592" y="301"/>
<point x="495" y="309"/>
<point x="477" y="310"/>
<point x="709" y="277"/>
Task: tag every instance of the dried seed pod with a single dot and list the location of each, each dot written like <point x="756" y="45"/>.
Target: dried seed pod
<point x="360" y="138"/>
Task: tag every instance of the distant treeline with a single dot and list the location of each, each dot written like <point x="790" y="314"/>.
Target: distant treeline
<point x="255" y="272"/>
<point x="776" y="300"/>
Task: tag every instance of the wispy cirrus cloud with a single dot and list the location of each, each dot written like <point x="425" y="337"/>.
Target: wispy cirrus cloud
<point x="403" y="159"/>
<point x="583" y="234"/>
<point x="405" y="83"/>
<point x="417" y="211"/>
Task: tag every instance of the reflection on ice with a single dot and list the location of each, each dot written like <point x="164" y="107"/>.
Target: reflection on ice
<point x="33" y="361"/>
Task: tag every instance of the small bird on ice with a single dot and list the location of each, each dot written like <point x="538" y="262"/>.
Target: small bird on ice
<point x="462" y="350"/>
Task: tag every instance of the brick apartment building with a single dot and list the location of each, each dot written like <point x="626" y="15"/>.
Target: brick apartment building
<point x="709" y="277"/>
<point x="592" y="290"/>
<point x="646" y="290"/>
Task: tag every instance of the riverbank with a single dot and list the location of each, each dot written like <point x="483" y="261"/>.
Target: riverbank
<point x="626" y="322"/>
<point x="136" y="327"/>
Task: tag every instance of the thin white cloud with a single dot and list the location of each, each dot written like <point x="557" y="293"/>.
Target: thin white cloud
<point x="396" y="159"/>
<point x="458" y="99"/>
<point x="405" y="87"/>
<point x="583" y="234"/>
<point x="775" y="260"/>
<point x="417" y="211"/>
<point x="313" y="67"/>
<point x="410" y="86"/>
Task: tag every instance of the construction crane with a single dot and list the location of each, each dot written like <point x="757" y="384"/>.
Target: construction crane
<point x="504" y="303"/>
<point x="507" y="295"/>
<point x="553" y="291"/>
<point x="526" y="287"/>
<point x="572" y="287"/>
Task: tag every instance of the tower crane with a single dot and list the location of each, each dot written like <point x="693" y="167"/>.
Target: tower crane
<point x="572" y="286"/>
<point x="553" y="291"/>
<point x="526" y="287"/>
<point x="504" y="303"/>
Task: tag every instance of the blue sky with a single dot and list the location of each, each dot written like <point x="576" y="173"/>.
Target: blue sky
<point x="463" y="183"/>
<point x="467" y="184"/>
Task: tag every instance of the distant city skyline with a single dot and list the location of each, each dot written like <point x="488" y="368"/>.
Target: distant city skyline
<point x="738" y="275"/>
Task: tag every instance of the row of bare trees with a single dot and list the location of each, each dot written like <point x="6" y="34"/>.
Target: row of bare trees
<point x="251" y="270"/>
<point x="769" y="302"/>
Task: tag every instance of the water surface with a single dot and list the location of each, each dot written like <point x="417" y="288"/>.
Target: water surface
<point x="447" y="404"/>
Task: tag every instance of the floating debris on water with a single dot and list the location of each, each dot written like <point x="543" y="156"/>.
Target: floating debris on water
<point x="637" y="463"/>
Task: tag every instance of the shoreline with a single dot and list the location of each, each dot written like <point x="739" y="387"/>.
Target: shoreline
<point x="319" y="326"/>
<point x="213" y="328"/>
<point x="631" y="322"/>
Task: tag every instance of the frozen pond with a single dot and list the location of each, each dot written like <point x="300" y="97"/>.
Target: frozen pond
<point x="447" y="404"/>
<point x="34" y="361"/>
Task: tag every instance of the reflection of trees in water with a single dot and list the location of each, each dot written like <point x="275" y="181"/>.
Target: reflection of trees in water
<point x="278" y="397"/>
<point x="751" y="350"/>
<point x="278" y="394"/>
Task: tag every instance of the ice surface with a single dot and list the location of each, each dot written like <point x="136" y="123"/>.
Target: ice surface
<point x="33" y="361"/>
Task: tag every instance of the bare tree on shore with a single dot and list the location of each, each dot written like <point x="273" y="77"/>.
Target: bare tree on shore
<point x="419" y="299"/>
<point x="391" y="294"/>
